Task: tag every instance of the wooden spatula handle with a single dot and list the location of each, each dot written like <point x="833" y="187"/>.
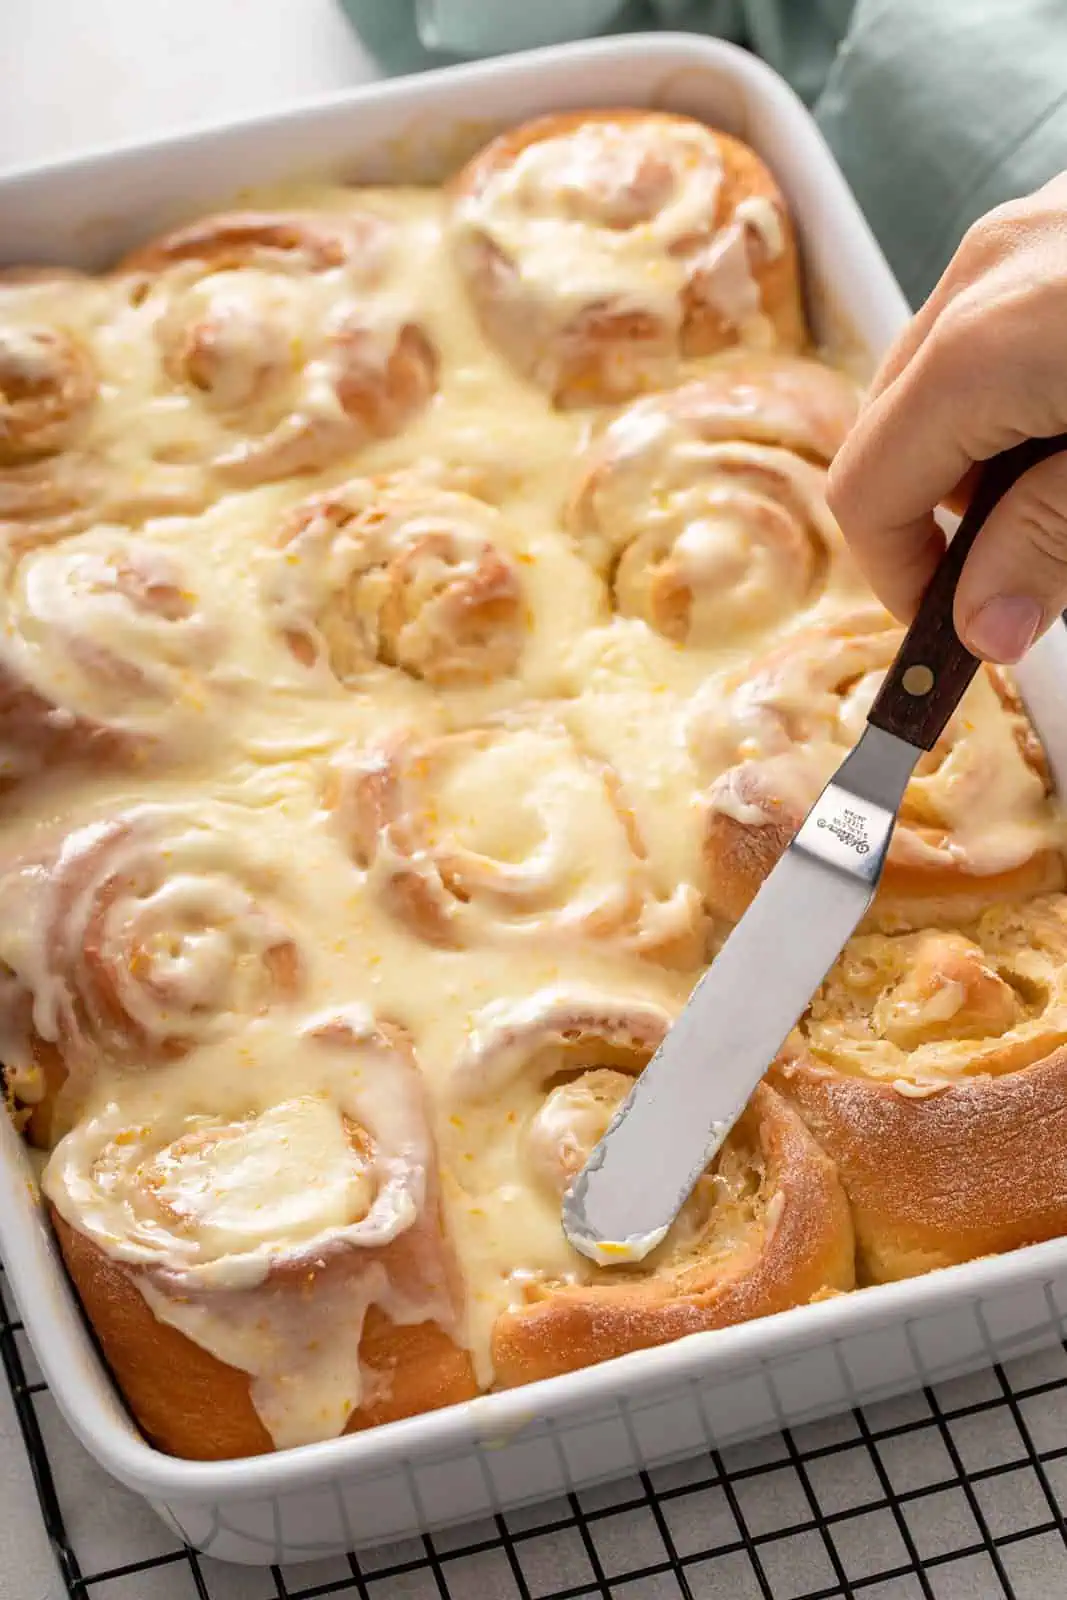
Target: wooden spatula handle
<point x="932" y="669"/>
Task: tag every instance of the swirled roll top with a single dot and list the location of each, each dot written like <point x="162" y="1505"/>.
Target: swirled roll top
<point x="220" y="1200"/>
<point x="923" y="1010"/>
<point x="108" y="653"/>
<point x="603" y="248"/>
<point x="132" y="941"/>
<point x="509" y="831"/>
<point x="932" y="1066"/>
<point x="48" y="384"/>
<point x="244" y="349"/>
<point x="262" y="1214"/>
<point x="705" y="507"/>
<point x="950" y="992"/>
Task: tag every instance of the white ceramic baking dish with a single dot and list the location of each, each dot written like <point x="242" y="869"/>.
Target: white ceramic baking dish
<point x="504" y="1450"/>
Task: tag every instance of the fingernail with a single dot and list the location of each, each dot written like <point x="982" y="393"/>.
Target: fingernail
<point x="1005" y="627"/>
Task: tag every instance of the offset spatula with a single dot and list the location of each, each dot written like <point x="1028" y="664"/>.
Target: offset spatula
<point x="693" y="1090"/>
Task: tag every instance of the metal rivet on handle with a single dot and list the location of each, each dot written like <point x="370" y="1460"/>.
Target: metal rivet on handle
<point x="917" y="681"/>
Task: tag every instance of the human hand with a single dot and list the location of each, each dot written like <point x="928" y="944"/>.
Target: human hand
<point x="981" y="367"/>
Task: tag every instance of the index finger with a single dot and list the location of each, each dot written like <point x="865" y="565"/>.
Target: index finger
<point x="885" y="481"/>
<point x="910" y="449"/>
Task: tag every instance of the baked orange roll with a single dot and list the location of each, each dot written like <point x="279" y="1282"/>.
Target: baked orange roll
<point x="49" y="388"/>
<point x="932" y="1067"/>
<point x="262" y="1257"/>
<point x="508" y="831"/>
<point x="407" y="575"/>
<point x="131" y="941"/>
<point x="279" y="345"/>
<point x="767" y="1226"/>
<point x="106" y="652"/>
<point x="601" y="248"/>
<point x="978" y="821"/>
<point x="704" y="508"/>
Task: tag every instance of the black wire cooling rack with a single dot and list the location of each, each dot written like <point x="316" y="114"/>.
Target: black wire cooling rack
<point x="953" y="1493"/>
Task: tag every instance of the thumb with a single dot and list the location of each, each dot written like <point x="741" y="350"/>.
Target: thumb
<point x="1014" y="581"/>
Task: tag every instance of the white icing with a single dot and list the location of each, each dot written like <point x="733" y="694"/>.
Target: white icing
<point x="173" y="919"/>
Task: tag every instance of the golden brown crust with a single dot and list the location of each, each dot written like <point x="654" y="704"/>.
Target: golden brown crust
<point x="386" y="1282"/>
<point x="595" y="356"/>
<point x="193" y="1405"/>
<point x="932" y="1068"/>
<point x="801" y="1247"/>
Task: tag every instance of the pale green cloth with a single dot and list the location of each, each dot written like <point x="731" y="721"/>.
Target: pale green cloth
<point x="798" y="37"/>
<point x="936" y="110"/>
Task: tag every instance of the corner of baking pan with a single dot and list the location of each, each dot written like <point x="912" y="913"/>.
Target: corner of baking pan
<point x="664" y="48"/>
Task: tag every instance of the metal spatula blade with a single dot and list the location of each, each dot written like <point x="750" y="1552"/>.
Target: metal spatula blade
<point x="701" y="1078"/>
<point x="690" y="1095"/>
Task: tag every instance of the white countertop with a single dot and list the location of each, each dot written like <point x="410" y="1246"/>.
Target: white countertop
<point x="81" y="73"/>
